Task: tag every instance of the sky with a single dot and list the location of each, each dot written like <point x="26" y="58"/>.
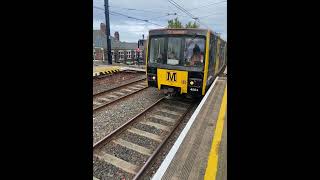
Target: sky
<point x="211" y="13"/>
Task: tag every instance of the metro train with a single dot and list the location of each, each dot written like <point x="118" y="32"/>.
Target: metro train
<point x="184" y="61"/>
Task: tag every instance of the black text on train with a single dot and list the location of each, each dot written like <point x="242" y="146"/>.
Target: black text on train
<point x="171" y="76"/>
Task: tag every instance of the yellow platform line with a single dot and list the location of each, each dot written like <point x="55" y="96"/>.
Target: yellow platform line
<point x="212" y="166"/>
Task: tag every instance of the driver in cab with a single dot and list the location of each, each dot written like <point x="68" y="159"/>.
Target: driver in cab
<point x="196" y="57"/>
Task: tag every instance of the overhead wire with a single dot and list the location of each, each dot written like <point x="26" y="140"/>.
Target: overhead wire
<point x="186" y="12"/>
<point x="130" y="17"/>
<point x="206" y="5"/>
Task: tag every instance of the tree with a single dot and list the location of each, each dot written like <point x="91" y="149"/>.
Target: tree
<point x="192" y="25"/>
<point x="174" y="23"/>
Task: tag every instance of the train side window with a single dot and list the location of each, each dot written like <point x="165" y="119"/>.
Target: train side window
<point x="211" y="54"/>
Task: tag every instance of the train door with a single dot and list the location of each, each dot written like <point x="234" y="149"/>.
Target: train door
<point x="222" y="50"/>
<point x="217" y="55"/>
<point x="225" y="55"/>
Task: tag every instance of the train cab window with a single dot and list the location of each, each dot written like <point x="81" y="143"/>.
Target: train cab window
<point x="157" y="52"/>
<point x="174" y="51"/>
<point x="194" y="51"/>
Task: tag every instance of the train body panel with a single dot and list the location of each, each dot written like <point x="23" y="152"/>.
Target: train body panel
<point x="205" y="77"/>
<point x="173" y="78"/>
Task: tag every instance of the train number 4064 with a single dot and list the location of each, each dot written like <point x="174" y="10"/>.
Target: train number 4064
<point x="194" y="89"/>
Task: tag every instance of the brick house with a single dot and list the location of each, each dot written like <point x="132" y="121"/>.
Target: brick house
<point x="121" y="52"/>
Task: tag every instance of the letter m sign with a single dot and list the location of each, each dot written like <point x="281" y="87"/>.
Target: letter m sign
<point x="171" y="76"/>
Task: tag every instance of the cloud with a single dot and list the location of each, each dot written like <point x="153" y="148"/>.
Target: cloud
<point x="130" y="30"/>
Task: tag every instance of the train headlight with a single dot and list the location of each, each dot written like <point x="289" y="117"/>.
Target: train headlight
<point x="154" y="78"/>
<point x="191" y="83"/>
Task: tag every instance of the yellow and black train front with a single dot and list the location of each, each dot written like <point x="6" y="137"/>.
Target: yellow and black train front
<point x="178" y="60"/>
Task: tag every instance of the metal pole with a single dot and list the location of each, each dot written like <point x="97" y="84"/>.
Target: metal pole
<point x="94" y="59"/>
<point x="94" y="54"/>
<point x="102" y="54"/>
<point x="106" y="7"/>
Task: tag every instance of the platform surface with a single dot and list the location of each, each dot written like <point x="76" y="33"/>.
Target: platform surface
<point x="192" y="157"/>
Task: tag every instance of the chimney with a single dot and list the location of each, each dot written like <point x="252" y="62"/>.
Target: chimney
<point x="116" y="36"/>
<point x="103" y="28"/>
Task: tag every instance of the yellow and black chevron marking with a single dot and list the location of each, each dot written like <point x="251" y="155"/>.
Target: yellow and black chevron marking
<point x="105" y="70"/>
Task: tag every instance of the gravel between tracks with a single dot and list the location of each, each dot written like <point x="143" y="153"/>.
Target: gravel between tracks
<point x="114" y="115"/>
<point x="150" y="129"/>
<point x="126" y="154"/>
<point x="106" y="171"/>
<point x="140" y="140"/>
<point x="115" y="80"/>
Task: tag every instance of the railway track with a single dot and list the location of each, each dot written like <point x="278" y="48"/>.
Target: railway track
<point x="115" y="77"/>
<point x="127" y="151"/>
<point x="105" y="98"/>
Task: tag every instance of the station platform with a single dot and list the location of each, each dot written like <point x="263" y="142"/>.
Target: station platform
<point x="200" y="152"/>
<point x="109" y="69"/>
<point x="105" y="69"/>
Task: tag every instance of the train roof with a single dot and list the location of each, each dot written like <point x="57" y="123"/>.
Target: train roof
<point x="164" y="31"/>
